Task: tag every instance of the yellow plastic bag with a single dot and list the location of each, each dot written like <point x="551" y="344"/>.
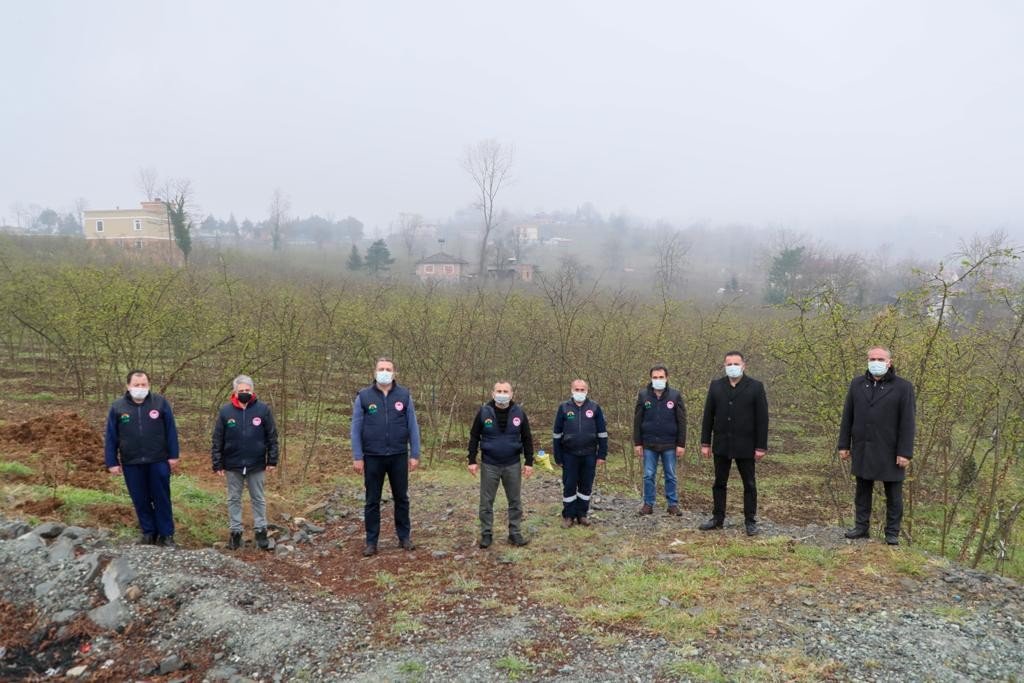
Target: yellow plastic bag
<point x="542" y="459"/>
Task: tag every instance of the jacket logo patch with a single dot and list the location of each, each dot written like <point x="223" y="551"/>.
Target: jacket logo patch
<point x="231" y="422"/>
<point x="488" y="423"/>
<point x="670" y="405"/>
<point x="590" y="413"/>
<point x="647" y="405"/>
<point x="570" y="415"/>
<point x="125" y="418"/>
<point x="399" y="405"/>
<point x="516" y="421"/>
<point x="154" y="414"/>
<point x="372" y="409"/>
<point x="257" y="421"/>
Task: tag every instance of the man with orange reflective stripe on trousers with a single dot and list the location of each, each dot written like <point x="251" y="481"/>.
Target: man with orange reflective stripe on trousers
<point x="580" y="444"/>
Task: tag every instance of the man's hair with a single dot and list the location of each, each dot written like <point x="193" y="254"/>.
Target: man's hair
<point x="242" y="379"/>
<point x="384" y="359"/>
<point x="502" y="381"/>
<point x="657" y="366"/>
<point x="883" y="348"/>
<point x="735" y="353"/>
<point x="580" y="379"/>
<point x="132" y="373"/>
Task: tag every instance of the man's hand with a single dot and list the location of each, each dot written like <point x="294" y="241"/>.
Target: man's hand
<point x="600" y="462"/>
<point x="357" y="465"/>
<point x="527" y="471"/>
<point x="413" y="464"/>
<point x="271" y="468"/>
<point x="174" y="465"/>
<point x="680" y="452"/>
<point x="219" y="473"/>
<point x="759" y="454"/>
<point x="902" y="462"/>
<point x="638" y="451"/>
<point x="705" y="451"/>
<point x="473" y="468"/>
<point x="116" y="469"/>
<point x="844" y="454"/>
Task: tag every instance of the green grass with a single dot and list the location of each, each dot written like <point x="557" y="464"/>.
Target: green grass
<point x="513" y="667"/>
<point x="404" y="623"/>
<point x="695" y="671"/>
<point x="16" y="469"/>
<point x="463" y="584"/>
<point x="385" y="580"/>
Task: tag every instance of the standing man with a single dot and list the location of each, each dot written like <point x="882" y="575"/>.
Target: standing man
<point x="385" y="442"/>
<point x="878" y="426"/>
<point x="141" y="443"/>
<point x="735" y="427"/>
<point x="659" y="434"/>
<point x="580" y="444"/>
<point x="502" y="432"/>
<point x="244" y="447"/>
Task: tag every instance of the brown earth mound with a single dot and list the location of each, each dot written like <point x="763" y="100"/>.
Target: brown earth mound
<point x="67" y="448"/>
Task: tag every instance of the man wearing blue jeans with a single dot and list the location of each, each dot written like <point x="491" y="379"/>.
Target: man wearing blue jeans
<point x="659" y="435"/>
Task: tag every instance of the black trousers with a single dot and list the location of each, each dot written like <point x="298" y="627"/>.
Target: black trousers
<point x="893" y="505"/>
<point x="746" y="468"/>
<point x="396" y="469"/>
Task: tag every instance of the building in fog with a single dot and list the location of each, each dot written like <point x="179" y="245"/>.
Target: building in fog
<point x="441" y="267"/>
<point x="146" y="229"/>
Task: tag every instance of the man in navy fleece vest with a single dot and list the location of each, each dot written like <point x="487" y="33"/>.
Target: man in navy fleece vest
<point x="384" y="431"/>
<point x="141" y="443"/>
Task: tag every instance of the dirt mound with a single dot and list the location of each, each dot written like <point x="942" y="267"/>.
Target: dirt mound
<point x="64" y="434"/>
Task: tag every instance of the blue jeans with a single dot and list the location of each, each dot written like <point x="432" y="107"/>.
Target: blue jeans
<point x="668" y="463"/>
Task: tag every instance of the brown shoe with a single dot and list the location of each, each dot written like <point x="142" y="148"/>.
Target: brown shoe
<point x="646" y="509"/>
<point x="567" y="522"/>
<point x="583" y="521"/>
<point x="675" y="511"/>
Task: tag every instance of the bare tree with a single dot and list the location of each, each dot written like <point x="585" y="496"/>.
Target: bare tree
<point x="80" y="206"/>
<point x="279" y="207"/>
<point x="409" y="225"/>
<point x="489" y="164"/>
<point x="148" y="182"/>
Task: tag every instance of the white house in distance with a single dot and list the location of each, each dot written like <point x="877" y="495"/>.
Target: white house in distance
<point x="440" y="267"/>
<point x="147" y="228"/>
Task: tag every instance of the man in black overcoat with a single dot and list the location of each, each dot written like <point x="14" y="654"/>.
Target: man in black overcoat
<point x="878" y="428"/>
<point x="735" y="428"/>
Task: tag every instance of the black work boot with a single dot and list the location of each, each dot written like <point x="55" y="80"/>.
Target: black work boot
<point x="235" y="540"/>
<point x="261" y="539"/>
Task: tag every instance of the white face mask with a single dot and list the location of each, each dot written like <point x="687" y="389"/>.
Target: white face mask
<point x="502" y="399"/>
<point x="878" y="367"/>
<point x="734" y="371"/>
<point x="579" y="396"/>
<point x="139" y="393"/>
<point x="384" y="377"/>
<point x="659" y="384"/>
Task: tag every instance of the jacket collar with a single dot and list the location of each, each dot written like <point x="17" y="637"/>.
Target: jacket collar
<point x="238" y="404"/>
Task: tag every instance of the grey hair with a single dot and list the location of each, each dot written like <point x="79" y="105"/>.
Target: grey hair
<point x="883" y="348"/>
<point x="242" y="379"/>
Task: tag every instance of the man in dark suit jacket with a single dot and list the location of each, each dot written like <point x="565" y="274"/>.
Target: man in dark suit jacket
<point x="878" y="423"/>
<point x="735" y="427"/>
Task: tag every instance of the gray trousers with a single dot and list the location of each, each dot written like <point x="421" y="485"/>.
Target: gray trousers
<point x="511" y="478"/>
<point x="254" y="481"/>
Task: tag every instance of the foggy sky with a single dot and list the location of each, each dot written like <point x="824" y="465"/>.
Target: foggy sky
<point x="809" y="115"/>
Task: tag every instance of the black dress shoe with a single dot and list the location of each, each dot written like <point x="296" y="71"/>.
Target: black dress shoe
<point x="857" y="532"/>
<point x="517" y="539"/>
<point x="147" y="539"/>
<point x="752" y="529"/>
<point x="406" y="544"/>
<point x="370" y="550"/>
<point x="166" y="542"/>
<point x="712" y="523"/>
<point x="892" y="540"/>
<point x="486" y="540"/>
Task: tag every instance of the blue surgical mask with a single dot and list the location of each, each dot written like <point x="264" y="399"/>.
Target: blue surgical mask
<point x="878" y="367"/>
<point x="734" y="371"/>
<point x="502" y="399"/>
<point x="579" y="396"/>
<point x="384" y="377"/>
<point x="659" y="384"/>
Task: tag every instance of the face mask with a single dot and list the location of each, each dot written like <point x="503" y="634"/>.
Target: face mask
<point x="579" y="396"/>
<point x="878" y="367"/>
<point x="244" y="396"/>
<point x="139" y="393"/>
<point x="502" y="399"/>
<point x="659" y="384"/>
<point x="384" y="377"/>
<point x="734" y="371"/>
